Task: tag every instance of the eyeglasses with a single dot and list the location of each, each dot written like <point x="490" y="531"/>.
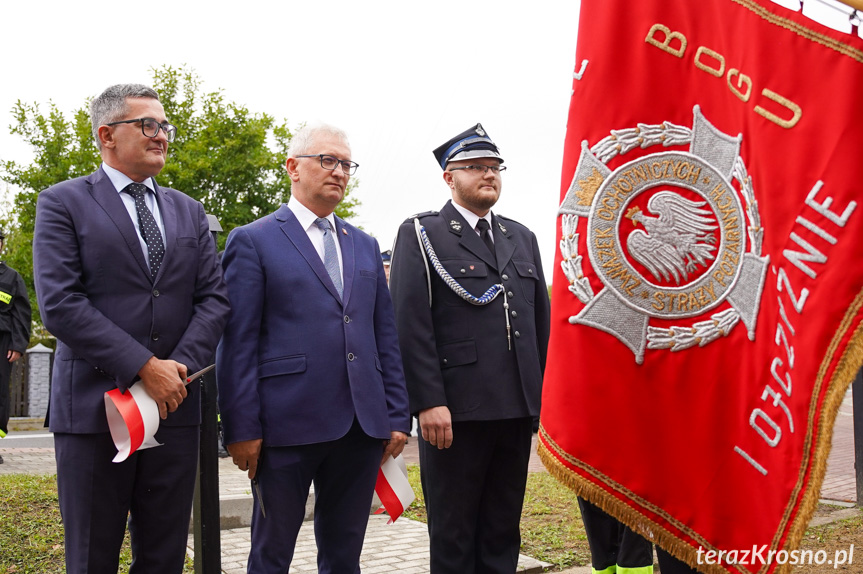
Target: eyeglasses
<point x="330" y="162"/>
<point x="481" y="169"/>
<point x="150" y="127"/>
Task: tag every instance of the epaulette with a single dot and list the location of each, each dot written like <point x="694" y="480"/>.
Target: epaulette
<point x="420" y="215"/>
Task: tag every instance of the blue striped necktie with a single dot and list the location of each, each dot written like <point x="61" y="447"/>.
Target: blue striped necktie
<point x="331" y="258"/>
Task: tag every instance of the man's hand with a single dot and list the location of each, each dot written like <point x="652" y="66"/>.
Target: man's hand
<point x="246" y="454"/>
<point x="436" y="426"/>
<point x="163" y="380"/>
<point x="394" y="446"/>
<point x="13" y="356"/>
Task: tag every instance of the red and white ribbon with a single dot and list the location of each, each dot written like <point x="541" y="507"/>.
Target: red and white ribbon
<point x="393" y="488"/>
<point x="133" y="418"/>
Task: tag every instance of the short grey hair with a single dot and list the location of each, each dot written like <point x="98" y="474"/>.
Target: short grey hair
<point x="304" y="139"/>
<point x="110" y="105"/>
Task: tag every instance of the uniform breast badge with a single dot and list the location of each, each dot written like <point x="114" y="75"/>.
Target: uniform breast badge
<point x="666" y="235"/>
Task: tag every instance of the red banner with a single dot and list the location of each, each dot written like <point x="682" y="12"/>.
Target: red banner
<point x="707" y="297"/>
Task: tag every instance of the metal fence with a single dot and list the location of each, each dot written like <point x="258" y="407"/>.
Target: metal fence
<point x="20" y="405"/>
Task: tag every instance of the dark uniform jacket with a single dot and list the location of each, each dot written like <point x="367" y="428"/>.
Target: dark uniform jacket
<point x="14" y="309"/>
<point x="456" y="354"/>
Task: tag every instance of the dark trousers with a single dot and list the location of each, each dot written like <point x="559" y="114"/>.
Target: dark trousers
<point x="344" y="473"/>
<point x="668" y="564"/>
<point x="474" y="492"/>
<point x="5" y="374"/>
<point x="614" y="547"/>
<point x="153" y="489"/>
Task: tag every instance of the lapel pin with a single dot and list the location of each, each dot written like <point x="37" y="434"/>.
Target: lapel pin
<point x="345" y="231"/>
<point x="502" y="228"/>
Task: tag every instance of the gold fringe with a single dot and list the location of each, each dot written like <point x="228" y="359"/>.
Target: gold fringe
<point x="628" y="515"/>
<point x="799" y="29"/>
<point x="849" y="364"/>
<point x="856" y="4"/>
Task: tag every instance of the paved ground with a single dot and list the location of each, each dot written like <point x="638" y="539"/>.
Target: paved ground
<point x="403" y="546"/>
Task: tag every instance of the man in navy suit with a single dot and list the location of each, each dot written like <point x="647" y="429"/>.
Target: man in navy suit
<point x="127" y="280"/>
<point x="310" y="378"/>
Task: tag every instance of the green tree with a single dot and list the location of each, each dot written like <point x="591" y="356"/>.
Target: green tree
<point x="227" y="157"/>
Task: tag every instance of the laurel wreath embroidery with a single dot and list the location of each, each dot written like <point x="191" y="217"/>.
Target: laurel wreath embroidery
<point x="620" y="142"/>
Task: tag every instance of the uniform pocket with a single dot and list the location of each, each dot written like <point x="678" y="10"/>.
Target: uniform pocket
<point x="527" y="270"/>
<point x="457" y="353"/>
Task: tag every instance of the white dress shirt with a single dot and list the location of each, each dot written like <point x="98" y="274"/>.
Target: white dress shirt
<point x="472" y="218"/>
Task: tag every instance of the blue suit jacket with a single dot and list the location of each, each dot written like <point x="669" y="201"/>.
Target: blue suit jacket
<point x="96" y="296"/>
<point x="296" y="363"/>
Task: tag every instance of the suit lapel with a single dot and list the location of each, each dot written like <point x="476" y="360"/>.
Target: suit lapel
<point x="504" y="244"/>
<point x="299" y="238"/>
<point x="468" y="237"/>
<point x="103" y="192"/>
<point x="346" y="243"/>
<point x="169" y="222"/>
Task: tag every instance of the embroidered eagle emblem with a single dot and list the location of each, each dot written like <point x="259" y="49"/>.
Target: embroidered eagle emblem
<point x="676" y="242"/>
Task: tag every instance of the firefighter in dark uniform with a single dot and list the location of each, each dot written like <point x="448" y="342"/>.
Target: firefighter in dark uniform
<point x="614" y="547"/>
<point x="14" y="331"/>
<point x="472" y="313"/>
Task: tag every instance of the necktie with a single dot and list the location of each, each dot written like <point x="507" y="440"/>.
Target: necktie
<point x="485" y="234"/>
<point x="147" y="224"/>
<point x="331" y="258"/>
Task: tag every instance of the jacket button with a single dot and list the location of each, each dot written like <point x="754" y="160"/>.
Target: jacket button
<point x="445" y="361"/>
<point x="509" y="294"/>
<point x="155" y="336"/>
<point x="517" y="334"/>
<point x="347" y="319"/>
<point x="514" y="314"/>
<point x="530" y="271"/>
<point x="462" y="270"/>
<point x="155" y="292"/>
<point x="351" y="356"/>
<point x="505" y="277"/>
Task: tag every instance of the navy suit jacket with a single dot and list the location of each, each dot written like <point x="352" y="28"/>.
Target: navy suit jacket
<point x="296" y="362"/>
<point x="97" y="297"/>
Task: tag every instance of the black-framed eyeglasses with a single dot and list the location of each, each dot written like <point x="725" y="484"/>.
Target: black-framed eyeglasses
<point x="330" y="162"/>
<point x="481" y="169"/>
<point x="150" y="127"/>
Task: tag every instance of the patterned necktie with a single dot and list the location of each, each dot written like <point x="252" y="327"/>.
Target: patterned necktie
<point x="331" y="258"/>
<point x="485" y="234"/>
<point x="147" y="224"/>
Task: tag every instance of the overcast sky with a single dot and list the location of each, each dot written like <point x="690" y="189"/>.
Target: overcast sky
<point x="400" y="77"/>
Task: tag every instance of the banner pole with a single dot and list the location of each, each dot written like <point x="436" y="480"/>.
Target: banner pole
<point x="207" y="519"/>
<point x="857" y="394"/>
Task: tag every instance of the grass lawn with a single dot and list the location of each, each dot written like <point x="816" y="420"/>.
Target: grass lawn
<point x="31" y="536"/>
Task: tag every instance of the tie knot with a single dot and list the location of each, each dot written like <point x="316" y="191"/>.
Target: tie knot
<point x="482" y="226"/>
<point x="136" y="190"/>
<point x="323" y="224"/>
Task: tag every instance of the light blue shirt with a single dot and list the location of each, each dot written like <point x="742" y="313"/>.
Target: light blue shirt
<point x="120" y="181"/>
<point x="307" y="220"/>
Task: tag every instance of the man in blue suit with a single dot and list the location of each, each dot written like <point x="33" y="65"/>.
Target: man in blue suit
<point x="127" y="280"/>
<point x="311" y="387"/>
